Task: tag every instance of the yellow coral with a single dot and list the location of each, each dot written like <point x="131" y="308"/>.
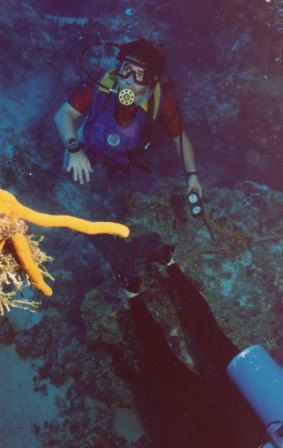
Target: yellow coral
<point x="11" y="207"/>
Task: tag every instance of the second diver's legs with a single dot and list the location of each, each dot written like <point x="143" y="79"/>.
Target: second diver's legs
<point x="181" y="407"/>
<point x="192" y="307"/>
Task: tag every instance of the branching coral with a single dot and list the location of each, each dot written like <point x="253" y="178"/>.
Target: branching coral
<point x="7" y="302"/>
<point x="235" y="239"/>
<point x="27" y="255"/>
<point x="230" y="241"/>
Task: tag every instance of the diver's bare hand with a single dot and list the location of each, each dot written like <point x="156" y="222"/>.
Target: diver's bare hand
<point x="80" y="164"/>
<point x="194" y="184"/>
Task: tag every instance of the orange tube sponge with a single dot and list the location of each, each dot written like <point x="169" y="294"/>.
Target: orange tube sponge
<point x="9" y="204"/>
<point x="25" y="257"/>
<point x="71" y="222"/>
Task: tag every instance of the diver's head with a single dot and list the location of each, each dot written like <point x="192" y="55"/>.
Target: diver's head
<point x="140" y="65"/>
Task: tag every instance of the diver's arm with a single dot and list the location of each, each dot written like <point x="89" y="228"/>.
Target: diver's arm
<point x="78" y="162"/>
<point x="65" y="121"/>
<point x="189" y="161"/>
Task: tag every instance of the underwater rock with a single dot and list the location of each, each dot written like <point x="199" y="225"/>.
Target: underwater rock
<point x="33" y="343"/>
<point x="7" y="331"/>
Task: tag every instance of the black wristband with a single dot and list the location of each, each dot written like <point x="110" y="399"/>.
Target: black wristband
<point x="190" y="173"/>
<point x="73" y="145"/>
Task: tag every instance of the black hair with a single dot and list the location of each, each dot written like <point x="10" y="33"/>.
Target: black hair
<point x="145" y="52"/>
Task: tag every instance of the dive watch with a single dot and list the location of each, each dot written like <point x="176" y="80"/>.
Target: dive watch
<point x="73" y="145"/>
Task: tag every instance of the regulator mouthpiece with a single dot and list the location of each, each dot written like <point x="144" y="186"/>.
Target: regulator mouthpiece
<point x="126" y="97"/>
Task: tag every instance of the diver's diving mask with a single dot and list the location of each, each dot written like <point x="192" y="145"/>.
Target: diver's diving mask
<point x="142" y="74"/>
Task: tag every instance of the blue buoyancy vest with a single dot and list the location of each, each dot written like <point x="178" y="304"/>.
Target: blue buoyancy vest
<point x="103" y="135"/>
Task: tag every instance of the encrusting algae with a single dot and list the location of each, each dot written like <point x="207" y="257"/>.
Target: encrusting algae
<point x="19" y="255"/>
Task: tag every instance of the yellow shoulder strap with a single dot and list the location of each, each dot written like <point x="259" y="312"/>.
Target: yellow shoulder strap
<point x="108" y="80"/>
<point x="157" y="98"/>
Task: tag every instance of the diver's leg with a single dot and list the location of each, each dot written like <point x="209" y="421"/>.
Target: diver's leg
<point x="160" y="384"/>
<point x="149" y="334"/>
<point x="158" y="355"/>
<point x="178" y="397"/>
<point x="193" y="308"/>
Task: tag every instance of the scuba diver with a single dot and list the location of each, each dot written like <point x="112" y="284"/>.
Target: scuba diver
<point x="182" y="408"/>
<point x="122" y="110"/>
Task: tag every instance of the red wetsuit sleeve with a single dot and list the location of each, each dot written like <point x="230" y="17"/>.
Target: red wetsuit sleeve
<point x="170" y="116"/>
<point x="80" y="99"/>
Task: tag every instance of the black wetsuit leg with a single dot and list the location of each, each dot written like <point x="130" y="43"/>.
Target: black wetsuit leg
<point x="193" y="308"/>
<point x="154" y="344"/>
<point x="174" y="401"/>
